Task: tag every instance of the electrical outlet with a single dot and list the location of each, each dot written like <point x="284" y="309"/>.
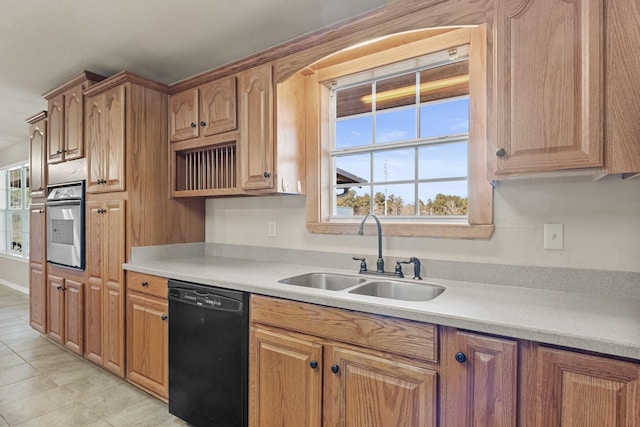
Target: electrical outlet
<point x="273" y="232"/>
<point x="553" y="236"/>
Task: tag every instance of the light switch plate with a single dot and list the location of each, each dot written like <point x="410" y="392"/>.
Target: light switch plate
<point x="554" y="236"/>
<point x="273" y="232"/>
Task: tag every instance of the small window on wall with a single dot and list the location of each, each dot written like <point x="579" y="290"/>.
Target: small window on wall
<point x="400" y="140"/>
<point x="14" y="211"/>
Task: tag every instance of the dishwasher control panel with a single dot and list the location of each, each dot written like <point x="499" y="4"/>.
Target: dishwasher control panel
<point x="206" y="300"/>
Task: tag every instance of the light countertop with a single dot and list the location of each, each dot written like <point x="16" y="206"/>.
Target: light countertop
<point x="603" y="324"/>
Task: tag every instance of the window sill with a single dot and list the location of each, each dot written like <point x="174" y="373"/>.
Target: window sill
<point x="14" y="257"/>
<point x="449" y="231"/>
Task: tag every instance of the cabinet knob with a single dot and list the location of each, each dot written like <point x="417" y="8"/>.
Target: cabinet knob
<point x="313" y="364"/>
<point x="193" y="125"/>
<point x="61" y="288"/>
<point x="266" y="174"/>
<point x="203" y="124"/>
<point x="460" y="357"/>
<point x="164" y="317"/>
<point x="335" y="368"/>
<point x="144" y="284"/>
<point x="500" y="152"/>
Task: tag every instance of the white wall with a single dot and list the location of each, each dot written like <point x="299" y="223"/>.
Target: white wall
<point x="16" y="272"/>
<point x="601" y="226"/>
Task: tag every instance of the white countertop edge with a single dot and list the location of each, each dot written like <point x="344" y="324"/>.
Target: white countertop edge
<point x="605" y="325"/>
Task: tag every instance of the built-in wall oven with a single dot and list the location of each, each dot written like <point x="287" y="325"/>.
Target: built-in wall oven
<point x="65" y="224"/>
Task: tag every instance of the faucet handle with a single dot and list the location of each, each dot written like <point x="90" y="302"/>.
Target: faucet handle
<point x="416" y="267"/>
<point x="363" y="263"/>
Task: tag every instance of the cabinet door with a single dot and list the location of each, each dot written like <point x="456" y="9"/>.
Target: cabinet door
<point x="148" y="343"/>
<point x="478" y="380"/>
<point x="285" y="381"/>
<point x="95" y="139"/>
<point x="113" y="133"/>
<point x="256" y="134"/>
<point x="73" y="123"/>
<point x="55" y="136"/>
<point x="37" y="163"/>
<point x="366" y="390"/>
<point x="578" y="390"/>
<point x="55" y="312"/>
<point x="218" y="105"/>
<point x="548" y="85"/>
<point x="105" y="136"/>
<point x="37" y="298"/>
<point x="94" y="270"/>
<point x="183" y="116"/>
<point x="37" y="230"/>
<point x="74" y="316"/>
<point x="113" y="332"/>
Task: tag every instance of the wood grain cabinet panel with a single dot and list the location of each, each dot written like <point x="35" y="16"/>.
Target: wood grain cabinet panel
<point x="66" y="103"/>
<point x="74" y="316"/>
<point x="579" y="390"/>
<point x="105" y="278"/>
<point x="55" y="309"/>
<point x="147" y="331"/>
<point x="286" y="380"/>
<point x="478" y="380"/>
<point x="256" y="129"/>
<point x="548" y="81"/>
<point x="218" y="106"/>
<point x="38" y="285"/>
<point x="37" y="155"/>
<point x="105" y="134"/>
<point x="183" y="116"/>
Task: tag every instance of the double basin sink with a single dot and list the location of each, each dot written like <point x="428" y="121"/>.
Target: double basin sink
<point x="373" y="286"/>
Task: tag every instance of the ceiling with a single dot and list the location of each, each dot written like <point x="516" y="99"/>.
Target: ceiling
<point x="43" y="43"/>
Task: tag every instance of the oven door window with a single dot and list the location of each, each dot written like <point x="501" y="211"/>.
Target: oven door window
<point x="62" y="232"/>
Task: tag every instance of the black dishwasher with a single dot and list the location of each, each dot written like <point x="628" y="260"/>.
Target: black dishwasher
<point x="208" y="354"/>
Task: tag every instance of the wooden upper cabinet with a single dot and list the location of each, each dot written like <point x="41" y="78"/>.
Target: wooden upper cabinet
<point x="218" y="106"/>
<point x="478" y="380"/>
<point x="73" y="123"/>
<point x="548" y="82"/>
<point x="183" y="115"/>
<point x="622" y="86"/>
<point x="55" y="136"/>
<point x="37" y="156"/>
<point x="65" y="140"/>
<point x="105" y="134"/>
<point x="204" y="111"/>
<point x="579" y="390"/>
<point x="256" y="128"/>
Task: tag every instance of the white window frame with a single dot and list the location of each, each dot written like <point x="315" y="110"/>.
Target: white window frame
<point x="414" y="65"/>
<point x="7" y="212"/>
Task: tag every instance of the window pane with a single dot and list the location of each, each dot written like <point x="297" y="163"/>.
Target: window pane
<point x="447" y="81"/>
<point x="443" y="198"/>
<point x="355" y="100"/>
<point x="352" y="201"/>
<point x="353" y="169"/>
<point x="394" y="199"/>
<point x="354" y="132"/>
<point x="396" y="125"/>
<point x="444" y="118"/>
<point x="396" y="92"/>
<point x="394" y="165"/>
<point x="442" y="161"/>
<point x="16" y="232"/>
<point x="15" y="199"/>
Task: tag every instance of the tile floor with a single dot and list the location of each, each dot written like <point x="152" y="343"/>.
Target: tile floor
<point x="43" y="385"/>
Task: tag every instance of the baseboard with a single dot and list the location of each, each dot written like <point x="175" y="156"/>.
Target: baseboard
<point x="14" y="286"/>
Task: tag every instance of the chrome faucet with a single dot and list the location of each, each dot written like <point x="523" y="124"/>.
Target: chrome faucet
<point x="380" y="261"/>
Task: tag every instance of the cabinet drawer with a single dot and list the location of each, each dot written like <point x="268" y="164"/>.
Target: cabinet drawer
<point x="403" y="337"/>
<point x="147" y="284"/>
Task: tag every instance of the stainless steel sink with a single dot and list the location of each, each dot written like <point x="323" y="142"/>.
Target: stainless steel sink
<point x="332" y="282"/>
<point x="399" y="290"/>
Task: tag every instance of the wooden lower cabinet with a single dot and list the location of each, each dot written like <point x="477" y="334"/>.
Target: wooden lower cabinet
<point x="478" y="379"/>
<point x="37" y="298"/>
<point x="148" y="334"/>
<point x="582" y="390"/>
<point x="297" y="379"/>
<point x="65" y="314"/>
